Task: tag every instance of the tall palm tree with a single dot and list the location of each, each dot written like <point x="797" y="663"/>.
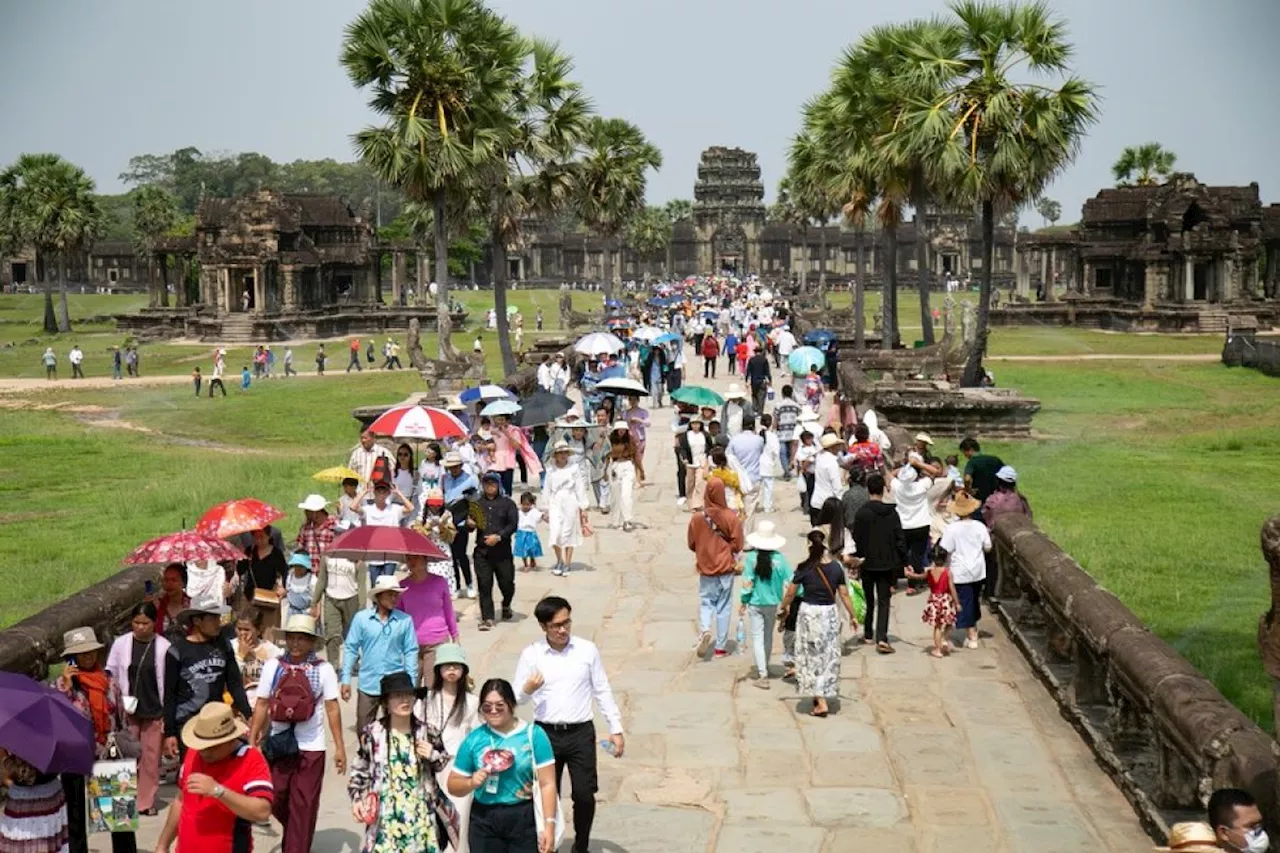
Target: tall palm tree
<point x="155" y="213"/>
<point x="611" y="181"/>
<point x="1049" y="209"/>
<point x="787" y="210"/>
<point x="992" y="139"/>
<point x="678" y="209"/>
<point x="813" y="173"/>
<point x="649" y="234"/>
<point x="442" y="74"/>
<point x="1142" y="166"/>
<point x="49" y="203"/>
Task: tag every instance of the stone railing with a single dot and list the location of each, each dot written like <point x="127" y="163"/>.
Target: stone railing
<point x="1245" y="350"/>
<point x="35" y="644"/>
<point x="1159" y="727"/>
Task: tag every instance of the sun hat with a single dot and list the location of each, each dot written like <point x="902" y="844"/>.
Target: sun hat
<point x="1191" y="837"/>
<point x="451" y="460"/>
<point x="807" y="414"/>
<point x="435" y="497"/>
<point x="301" y="623"/>
<point x="212" y="726"/>
<point x="300" y="558"/>
<point x="314" y="503"/>
<point x="385" y="583"/>
<point x="735" y="392"/>
<point x="765" y="537"/>
<point x="396" y="682"/>
<point x="561" y="446"/>
<point x="620" y="425"/>
<point x="830" y="439"/>
<point x="924" y="438"/>
<point x="695" y="419"/>
<point x="79" y="640"/>
<point x="1008" y="474"/>
<point x="205" y="607"/>
<point x="451" y="653"/>
<point x="963" y="504"/>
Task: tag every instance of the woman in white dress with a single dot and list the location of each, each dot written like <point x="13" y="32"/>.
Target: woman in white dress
<point x="453" y="710"/>
<point x="567" y="506"/>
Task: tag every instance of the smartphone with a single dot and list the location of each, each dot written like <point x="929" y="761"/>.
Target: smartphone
<point x="148" y="587"/>
<point x="69" y="660"/>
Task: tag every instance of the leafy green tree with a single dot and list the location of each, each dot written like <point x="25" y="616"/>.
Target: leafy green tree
<point x="155" y="213"/>
<point x="1143" y="165"/>
<point x="678" y="210"/>
<point x="649" y="234"/>
<point x="441" y="74"/>
<point x="1049" y="209"/>
<point x="611" y="180"/>
<point x="787" y="210"/>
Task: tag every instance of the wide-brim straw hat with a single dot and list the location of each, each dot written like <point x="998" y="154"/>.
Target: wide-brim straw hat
<point x="923" y="438"/>
<point x="385" y="583"/>
<point x="214" y="725"/>
<point x="301" y="623"/>
<point x="451" y="459"/>
<point x="1191" y="837"/>
<point x="963" y="504"/>
<point x="765" y="537"/>
<point x="561" y="446"/>
<point x="830" y="439"/>
<point x="80" y="640"/>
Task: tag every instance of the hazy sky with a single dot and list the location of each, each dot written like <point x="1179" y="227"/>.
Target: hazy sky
<point x="101" y="81"/>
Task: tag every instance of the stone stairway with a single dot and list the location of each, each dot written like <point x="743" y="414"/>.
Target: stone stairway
<point x="237" y="328"/>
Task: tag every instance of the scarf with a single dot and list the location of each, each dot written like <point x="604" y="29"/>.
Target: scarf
<point x="94" y="684"/>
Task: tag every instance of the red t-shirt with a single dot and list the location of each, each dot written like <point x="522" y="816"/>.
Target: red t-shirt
<point x="208" y="826"/>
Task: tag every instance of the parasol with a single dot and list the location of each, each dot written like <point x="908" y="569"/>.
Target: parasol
<point x="500" y="407"/>
<point x="541" y="407"/>
<point x="623" y="386"/>
<point x="238" y="516"/>
<point x="485" y="392"/>
<point x="647" y="333"/>
<point x="696" y="395"/>
<point x="380" y="544"/>
<point x="819" y="337"/>
<point x="186" y="546"/>
<point x="336" y="474"/>
<point x="423" y="422"/>
<point x="41" y="726"/>
<point x="597" y="343"/>
<point x="802" y="359"/>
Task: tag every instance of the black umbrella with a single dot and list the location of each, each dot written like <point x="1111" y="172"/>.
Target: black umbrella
<point x="542" y="407"/>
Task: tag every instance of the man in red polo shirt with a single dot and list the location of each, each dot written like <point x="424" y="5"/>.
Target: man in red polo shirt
<point x="223" y="790"/>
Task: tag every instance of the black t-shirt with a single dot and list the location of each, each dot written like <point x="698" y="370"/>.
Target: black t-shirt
<point x="981" y="470"/>
<point x="821" y="582"/>
<point x="196" y="674"/>
<point x="142" y="681"/>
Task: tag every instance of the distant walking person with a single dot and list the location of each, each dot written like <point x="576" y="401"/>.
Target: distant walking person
<point x="76" y="356"/>
<point x="219" y="368"/>
<point x="116" y="366"/>
<point x="355" y="356"/>
<point x="50" y="360"/>
<point x="197" y="379"/>
<point x="320" y="360"/>
<point x="288" y="363"/>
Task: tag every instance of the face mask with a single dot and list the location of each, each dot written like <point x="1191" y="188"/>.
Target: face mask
<point x="1256" y="841"/>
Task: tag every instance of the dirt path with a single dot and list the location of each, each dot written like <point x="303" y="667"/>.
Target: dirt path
<point x="98" y="383"/>
<point x="1099" y="356"/>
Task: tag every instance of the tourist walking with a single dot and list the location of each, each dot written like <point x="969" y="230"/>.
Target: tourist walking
<point x="172" y="601"/>
<point x="1005" y="500"/>
<point x="567" y="506"/>
<point x="786" y="416"/>
<point x="710" y="349"/>
<point x="321" y="357"/>
<point x="508" y="442"/>
<point x="341" y="588"/>
<point x="877" y="530"/>
<point x="366" y="454"/>
<point x="250" y="649"/>
<point x="911" y="496"/>
<point x="199" y="668"/>
<point x="760" y="376"/>
<point x="427" y="601"/>
<point x="219" y="371"/>
<point x="34" y="818"/>
<point x="979" y="469"/>
<point x="624" y="472"/>
<point x="746" y="452"/>
<point x="75" y="358"/>
<point x="355" y="356"/>
<point x="383" y="512"/>
<point x="736" y="411"/>
<point x="828" y="481"/>
<point x="297" y="695"/>
<point x="967" y="541"/>
<point x="503" y="815"/>
<point x="382" y="641"/>
<point x="268" y="569"/>
<point x="770" y="462"/>
<point x="765" y="574"/>
<point x="715" y="537"/>
<point x="453" y="710"/>
<point x="459" y="487"/>
<point x="528" y="547"/>
<point x="691" y="448"/>
<point x="137" y="661"/>
<point x="561" y="675"/>
<point x="818" y="623"/>
<point x="50" y="361"/>
<point x="1237" y="821"/>
<point x="944" y="603"/>
<point x="492" y="555"/>
<point x="224" y="787"/>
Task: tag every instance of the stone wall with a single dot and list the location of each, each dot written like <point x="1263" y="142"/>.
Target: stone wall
<point x="1159" y="727"/>
<point x="1245" y="350"/>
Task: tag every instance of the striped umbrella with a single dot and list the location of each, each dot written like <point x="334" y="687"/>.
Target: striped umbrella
<point x="421" y="422"/>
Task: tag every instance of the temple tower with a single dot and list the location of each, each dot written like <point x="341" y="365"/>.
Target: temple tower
<point x="728" y="210"/>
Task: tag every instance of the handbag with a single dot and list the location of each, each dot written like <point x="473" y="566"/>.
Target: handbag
<point x="123" y="744"/>
<point x="282" y="744"/>
<point x="539" y="818"/>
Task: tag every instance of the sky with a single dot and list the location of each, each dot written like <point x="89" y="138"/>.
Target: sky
<point x="100" y="82"/>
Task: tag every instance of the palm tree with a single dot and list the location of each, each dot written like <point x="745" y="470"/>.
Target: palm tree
<point x="611" y="181"/>
<point x="49" y="203"/>
<point x="1146" y="162"/>
<point x="443" y="75"/>
<point x="678" y="210"/>
<point x="650" y="233"/>
<point x="155" y="213"/>
<point x="1049" y="209"/>
<point x="993" y="140"/>
<point x="787" y="210"/>
<point x="813" y="173"/>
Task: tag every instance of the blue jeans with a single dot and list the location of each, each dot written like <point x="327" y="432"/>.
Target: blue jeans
<point x="761" y="618"/>
<point x="784" y="456"/>
<point x="715" y="593"/>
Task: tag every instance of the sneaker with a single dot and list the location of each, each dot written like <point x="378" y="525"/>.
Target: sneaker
<point x="762" y="683"/>
<point x="721" y="653"/>
<point x="558" y="570"/>
<point x="471" y="592"/>
<point x="486" y="624"/>
<point x="704" y="643"/>
<point x="681" y="501"/>
<point x="971" y="644"/>
<point x="507" y="614"/>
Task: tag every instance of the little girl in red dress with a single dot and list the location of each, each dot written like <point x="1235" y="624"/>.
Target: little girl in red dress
<point x="943" y="605"/>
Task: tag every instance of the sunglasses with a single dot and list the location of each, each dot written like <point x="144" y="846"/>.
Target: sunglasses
<point x="493" y="707"/>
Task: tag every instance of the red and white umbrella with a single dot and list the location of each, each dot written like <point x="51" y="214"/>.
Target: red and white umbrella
<point x="183" y="547"/>
<point x="242" y="515"/>
<point x="416" y="421"/>
<point x="384" y="544"/>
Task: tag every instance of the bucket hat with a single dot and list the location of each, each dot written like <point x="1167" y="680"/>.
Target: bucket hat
<point x="80" y="640"/>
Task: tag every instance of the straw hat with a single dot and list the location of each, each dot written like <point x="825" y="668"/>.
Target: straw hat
<point x="963" y="504"/>
<point x="1191" y="838"/>
<point x="735" y="392"/>
<point x="80" y="640"/>
<point x="213" y="726"/>
<point x="829" y="440"/>
<point x="314" y="503"/>
<point x="385" y="583"/>
<point x="923" y="438"/>
<point x="451" y="459"/>
<point x="300" y="623"/>
<point x="765" y="537"/>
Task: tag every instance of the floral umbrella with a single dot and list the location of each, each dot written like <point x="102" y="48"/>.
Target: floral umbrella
<point x="238" y="516"/>
<point x="182" y="547"/>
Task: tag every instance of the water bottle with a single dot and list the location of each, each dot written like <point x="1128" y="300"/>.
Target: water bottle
<point x="741" y="639"/>
<point x="607" y="746"/>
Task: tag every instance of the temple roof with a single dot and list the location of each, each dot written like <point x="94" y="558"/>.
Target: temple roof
<point x="291" y="210"/>
<point x="1171" y="199"/>
<point x="1271" y="222"/>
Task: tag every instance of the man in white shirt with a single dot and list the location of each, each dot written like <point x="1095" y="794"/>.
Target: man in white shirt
<point x="827" y="482"/>
<point x="365" y="455"/>
<point x="544" y="373"/>
<point x="76" y="356"/>
<point x="561" y="674"/>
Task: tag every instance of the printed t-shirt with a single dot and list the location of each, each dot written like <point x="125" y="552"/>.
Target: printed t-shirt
<point x="515" y="784"/>
<point x="206" y="825"/>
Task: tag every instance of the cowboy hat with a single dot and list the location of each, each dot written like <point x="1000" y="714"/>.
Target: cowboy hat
<point x="385" y="583"/>
<point x="300" y="623"/>
<point x="207" y="607"/>
<point x="735" y="392"/>
<point x="923" y="438"/>
<point x="80" y="640"/>
<point x="765" y="537"/>
<point x="314" y="503"/>
<point x="213" y="726"/>
<point x="451" y="459"/>
<point x="963" y="504"/>
<point x="1192" y="837"/>
<point x="830" y="439"/>
<point x="1008" y="474"/>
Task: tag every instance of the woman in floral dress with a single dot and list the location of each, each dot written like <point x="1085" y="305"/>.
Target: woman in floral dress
<point x="393" y="786"/>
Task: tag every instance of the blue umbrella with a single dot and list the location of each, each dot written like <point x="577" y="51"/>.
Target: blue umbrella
<point x="668" y="338"/>
<point x="819" y="337"/>
<point x="485" y="392"/>
<point x="708" y="314"/>
<point x="612" y="303"/>
<point x="802" y="359"/>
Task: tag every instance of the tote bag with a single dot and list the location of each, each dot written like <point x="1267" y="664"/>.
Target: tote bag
<point x="539" y="817"/>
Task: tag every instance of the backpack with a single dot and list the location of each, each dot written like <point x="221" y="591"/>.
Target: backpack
<point x="292" y="699"/>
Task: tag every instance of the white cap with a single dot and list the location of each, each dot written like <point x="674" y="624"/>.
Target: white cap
<point x="1007" y="474"/>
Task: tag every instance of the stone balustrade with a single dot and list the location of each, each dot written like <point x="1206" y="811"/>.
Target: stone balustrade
<point x="1159" y="727"/>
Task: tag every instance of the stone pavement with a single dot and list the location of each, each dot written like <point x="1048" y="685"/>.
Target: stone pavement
<point x="919" y="755"/>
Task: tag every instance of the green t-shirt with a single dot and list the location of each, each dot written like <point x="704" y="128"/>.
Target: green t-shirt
<point x="981" y="470"/>
<point x="515" y="784"/>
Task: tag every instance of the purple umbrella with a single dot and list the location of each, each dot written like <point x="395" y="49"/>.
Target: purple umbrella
<point x="41" y="726"/>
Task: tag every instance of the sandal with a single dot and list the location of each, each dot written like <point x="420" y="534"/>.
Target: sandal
<point x="816" y="713"/>
<point x="934" y="653"/>
<point x="914" y="590"/>
<point x="885" y="648"/>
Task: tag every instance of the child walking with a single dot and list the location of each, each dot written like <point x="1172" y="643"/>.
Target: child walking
<point x="943" y="605"/>
<point x="527" y="544"/>
<point x="300" y="586"/>
<point x="245" y="378"/>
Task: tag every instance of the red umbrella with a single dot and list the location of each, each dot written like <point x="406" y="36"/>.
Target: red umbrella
<point x="379" y="544"/>
<point x="238" y="516"/>
<point x="182" y="547"/>
<point x="418" y="422"/>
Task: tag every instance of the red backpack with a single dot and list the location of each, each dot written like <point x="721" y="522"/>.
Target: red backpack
<point x="292" y="699"/>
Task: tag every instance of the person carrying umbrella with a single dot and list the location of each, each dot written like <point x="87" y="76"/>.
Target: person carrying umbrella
<point x="508" y="440"/>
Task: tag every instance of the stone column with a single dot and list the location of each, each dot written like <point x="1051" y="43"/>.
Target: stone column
<point x="1188" y="278"/>
<point x="1150" y="286"/>
<point x="289" y="283"/>
<point x="1022" y="273"/>
<point x="1046" y="270"/>
<point x="1229" y="290"/>
<point x="181" y="271"/>
<point x="1087" y="284"/>
<point x="163" y="260"/>
<point x="397" y="278"/>
<point x="1049" y="282"/>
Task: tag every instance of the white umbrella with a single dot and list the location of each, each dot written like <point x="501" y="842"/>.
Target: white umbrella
<point x="500" y="407"/>
<point x="647" y="333"/>
<point x="620" y="385"/>
<point x="598" y="343"/>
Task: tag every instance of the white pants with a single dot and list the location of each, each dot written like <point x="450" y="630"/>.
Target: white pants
<point x="766" y="493"/>
<point x="622" y="485"/>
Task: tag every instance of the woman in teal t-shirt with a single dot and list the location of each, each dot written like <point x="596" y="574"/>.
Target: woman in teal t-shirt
<point x="499" y="763"/>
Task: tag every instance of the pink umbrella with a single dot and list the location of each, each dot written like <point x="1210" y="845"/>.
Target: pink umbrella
<point x="239" y="516"/>
<point x="423" y="422"/>
<point x="185" y="546"/>
<point x="380" y="544"/>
